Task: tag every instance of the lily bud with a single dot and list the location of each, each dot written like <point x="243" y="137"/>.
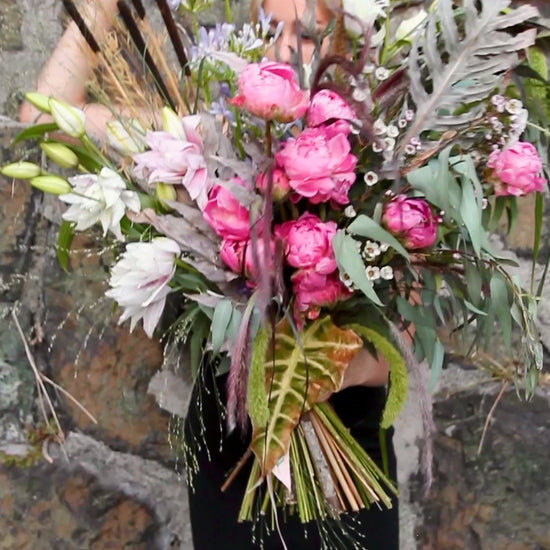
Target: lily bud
<point x="54" y="185"/>
<point x="171" y="123"/>
<point x="40" y="101"/>
<point x="127" y="138"/>
<point x="21" y="170"/>
<point x="164" y="192"/>
<point x="60" y="154"/>
<point x="69" y="119"/>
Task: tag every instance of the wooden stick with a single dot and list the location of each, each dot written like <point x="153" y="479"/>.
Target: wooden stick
<point x="135" y="34"/>
<point x="174" y="35"/>
<point x="236" y="470"/>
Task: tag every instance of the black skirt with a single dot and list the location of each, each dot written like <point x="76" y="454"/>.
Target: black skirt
<point x="214" y="514"/>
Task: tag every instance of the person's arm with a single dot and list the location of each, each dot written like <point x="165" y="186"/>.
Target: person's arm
<point x="69" y="68"/>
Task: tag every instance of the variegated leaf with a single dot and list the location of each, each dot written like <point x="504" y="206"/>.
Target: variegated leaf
<point x="299" y="375"/>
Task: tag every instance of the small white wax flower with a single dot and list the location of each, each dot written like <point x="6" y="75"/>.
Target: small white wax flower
<point x="379" y="127"/>
<point x="377" y="148"/>
<point x="99" y="198"/>
<point x="384" y="247"/>
<point x="359" y="95"/>
<point x="139" y="281"/>
<point x="402" y="122"/>
<point x="386" y="273"/>
<point x="373" y="272"/>
<point x="410" y="149"/>
<point x="389" y="144"/>
<point x="371" y="178"/>
<point x="372" y="249"/>
<point x="350" y="212"/>
<point x="381" y="73"/>
<point x="513" y="106"/>
<point x="409" y="115"/>
<point x="392" y="131"/>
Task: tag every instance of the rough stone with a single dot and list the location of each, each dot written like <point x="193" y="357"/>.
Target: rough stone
<point x="45" y="508"/>
<point x="487" y="501"/>
<point x="11" y="19"/>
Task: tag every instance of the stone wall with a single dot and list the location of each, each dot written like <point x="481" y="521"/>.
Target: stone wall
<point x="116" y="484"/>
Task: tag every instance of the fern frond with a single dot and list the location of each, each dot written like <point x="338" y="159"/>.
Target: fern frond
<point x="460" y="59"/>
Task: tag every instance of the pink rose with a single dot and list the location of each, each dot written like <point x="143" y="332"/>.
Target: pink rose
<point x="411" y="220"/>
<point x="313" y="290"/>
<point x="308" y="243"/>
<point x="269" y="90"/>
<point x="327" y="105"/>
<point x="280" y="186"/>
<point x="319" y="165"/>
<point x="175" y="160"/>
<point x="516" y="169"/>
<point x="224" y="213"/>
<point x="240" y="258"/>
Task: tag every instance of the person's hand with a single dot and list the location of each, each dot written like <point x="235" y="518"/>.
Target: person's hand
<point x="365" y="370"/>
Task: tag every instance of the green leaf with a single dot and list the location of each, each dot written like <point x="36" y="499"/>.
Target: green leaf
<point x="298" y="375"/>
<point x="64" y="240"/>
<point x="366" y="227"/>
<point x="473" y="281"/>
<point x="539" y="205"/>
<point x="220" y="322"/>
<point x="349" y="261"/>
<point x="470" y="208"/>
<point x="399" y="383"/>
<point x="35" y="131"/>
<point x="437" y="364"/>
<point x="500" y="304"/>
<point x="256" y="395"/>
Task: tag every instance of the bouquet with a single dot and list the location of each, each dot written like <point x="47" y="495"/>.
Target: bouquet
<point x="299" y="213"/>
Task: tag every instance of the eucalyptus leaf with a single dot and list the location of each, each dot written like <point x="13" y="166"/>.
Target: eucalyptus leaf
<point x="367" y="227"/>
<point x="437" y="364"/>
<point x="500" y="305"/>
<point x="349" y="261"/>
<point x="220" y="322"/>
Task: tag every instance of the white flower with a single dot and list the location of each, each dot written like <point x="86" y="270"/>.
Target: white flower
<point x="69" y="119"/>
<point x="392" y="131"/>
<point x="99" y="198"/>
<point x="139" y="281"/>
<point x="409" y="27"/>
<point x="379" y="127"/>
<point x="373" y="273"/>
<point x="370" y="178"/>
<point x="350" y="212"/>
<point x="371" y="250"/>
<point x="365" y="11"/>
<point x="513" y="106"/>
<point x="127" y="138"/>
<point x="381" y="73"/>
<point x="386" y="273"/>
<point x="384" y="247"/>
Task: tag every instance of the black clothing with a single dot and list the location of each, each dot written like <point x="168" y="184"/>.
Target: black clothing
<point x="214" y="514"/>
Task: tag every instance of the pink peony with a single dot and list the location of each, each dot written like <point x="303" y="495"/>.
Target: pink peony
<point x="516" y="169"/>
<point x="239" y="256"/>
<point x="308" y="243"/>
<point x="411" y="220"/>
<point x="319" y="165"/>
<point x="327" y="105"/>
<point x="313" y="290"/>
<point x="269" y="90"/>
<point x="224" y="213"/>
<point x="280" y="186"/>
<point x="175" y="160"/>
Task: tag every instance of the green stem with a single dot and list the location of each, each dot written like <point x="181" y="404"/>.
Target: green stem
<point x="228" y="17"/>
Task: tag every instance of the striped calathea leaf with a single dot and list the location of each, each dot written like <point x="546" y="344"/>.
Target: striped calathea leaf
<point x="298" y="374"/>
